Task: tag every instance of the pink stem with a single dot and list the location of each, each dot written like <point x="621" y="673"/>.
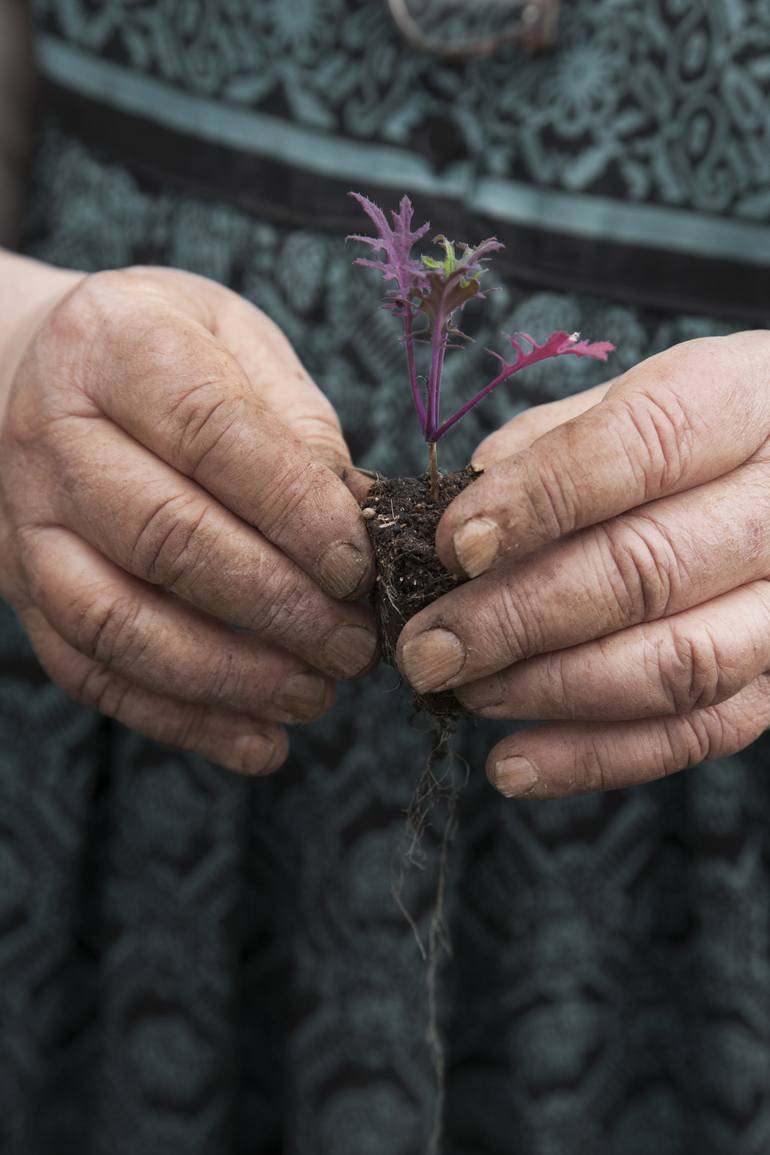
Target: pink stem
<point x="558" y="345"/>
<point x="438" y="348"/>
<point x="409" y="342"/>
<point x="442" y="429"/>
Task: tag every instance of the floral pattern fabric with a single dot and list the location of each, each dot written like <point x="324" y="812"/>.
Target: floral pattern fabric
<point x="194" y="964"/>
<point x="665" y="102"/>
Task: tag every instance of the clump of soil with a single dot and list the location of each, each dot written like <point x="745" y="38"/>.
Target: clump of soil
<point x="401" y="518"/>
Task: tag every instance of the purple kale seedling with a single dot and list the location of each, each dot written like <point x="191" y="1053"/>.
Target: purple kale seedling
<point x="428" y="294"/>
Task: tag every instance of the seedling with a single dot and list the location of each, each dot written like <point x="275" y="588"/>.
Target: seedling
<point x="428" y="293"/>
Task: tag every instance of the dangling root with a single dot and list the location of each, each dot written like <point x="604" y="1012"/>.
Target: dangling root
<point x="433" y="788"/>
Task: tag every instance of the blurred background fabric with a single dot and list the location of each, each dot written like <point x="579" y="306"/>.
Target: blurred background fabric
<point x="16" y="85"/>
<point x="193" y="964"/>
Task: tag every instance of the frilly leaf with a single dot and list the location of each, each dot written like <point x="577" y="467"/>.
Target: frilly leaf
<point x="559" y="344"/>
<point x="396" y="242"/>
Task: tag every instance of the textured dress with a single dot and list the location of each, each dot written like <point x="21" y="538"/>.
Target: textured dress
<point x="194" y="964"/>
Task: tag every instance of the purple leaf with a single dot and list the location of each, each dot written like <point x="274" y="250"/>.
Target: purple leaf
<point x="558" y="345"/>
<point x="434" y="290"/>
<point x="398" y="265"/>
<point x="396" y="243"/>
<point x="475" y="258"/>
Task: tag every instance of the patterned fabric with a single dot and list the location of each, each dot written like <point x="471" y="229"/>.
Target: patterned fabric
<point x="192" y="964"/>
<point x="649" y="126"/>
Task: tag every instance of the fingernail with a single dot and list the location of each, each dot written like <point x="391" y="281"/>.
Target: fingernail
<point x="254" y="754"/>
<point x="350" y="650"/>
<point x="477" y="545"/>
<point x="303" y="696"/>
<point x="342" y="569"/>
<point x="432" y="658"/>
<point x="514" y="776"/>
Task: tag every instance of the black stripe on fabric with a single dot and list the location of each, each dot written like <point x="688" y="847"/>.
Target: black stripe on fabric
<point x="284" y="194"/>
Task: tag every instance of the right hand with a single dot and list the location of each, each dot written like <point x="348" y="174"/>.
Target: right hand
<point x="167" y="471"/>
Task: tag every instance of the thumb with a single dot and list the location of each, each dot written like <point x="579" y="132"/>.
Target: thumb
<point x="673" y="422"/>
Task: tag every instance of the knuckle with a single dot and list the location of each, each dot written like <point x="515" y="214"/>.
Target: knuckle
<point x="322" y="425"/>
<point x="190" y="730"/>
<point x="516" y="621"/>
<point x="552" y="499"/>
<point x="205" y="398"/>
<point x="169" y="545"/>
<point x="564" y="689"/>
<point x="99" y="689"/>
<point x="640" y="566"/>
<point x="226" y="681"/>
<point x="206" y="421"/>
<point x="689" y="672"/>
<point x="590" y="771"/>
<point x="279" y="608"/>
<point x="105" y="630"/>
<point x="692" y="739"/>
<point x="290" y="489"/>
<point x="665" y="433"/>
<point x="322" y="434"/>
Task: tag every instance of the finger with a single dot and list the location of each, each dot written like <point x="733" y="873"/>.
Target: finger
<point x="262" y="351"/>
<point x="687" y="662"/>
<point x="164" y="377"/>
<point x="291" y="393"/>
<point x="141" y="635"/>
<point x="161" y="527"/>
<point x="673" y="554"/>
<point x="232" y="740"/>
<point x="678" y="420"/>
<point x="521" y="431"/>
<point x="578" y="758"/>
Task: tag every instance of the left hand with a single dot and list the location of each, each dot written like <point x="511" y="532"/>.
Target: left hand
<point x="623" y="542"/>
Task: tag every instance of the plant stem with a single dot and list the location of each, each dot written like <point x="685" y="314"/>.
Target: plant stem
<point x="434" y="473"/>
<point x="409" y="343"/>
<point x="450" y="421"/>
<point x="438" y="349"/>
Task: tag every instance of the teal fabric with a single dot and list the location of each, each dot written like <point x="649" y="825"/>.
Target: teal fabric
<point x="193" y="964"/>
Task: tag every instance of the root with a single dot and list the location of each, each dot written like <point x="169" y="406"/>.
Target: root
<point x="438" y="784"/>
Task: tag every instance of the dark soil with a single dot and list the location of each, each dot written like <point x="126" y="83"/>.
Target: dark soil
<point x="402" y="527"/>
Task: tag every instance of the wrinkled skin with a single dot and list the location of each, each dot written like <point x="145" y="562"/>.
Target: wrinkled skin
<point x="168" y="471"/>
<point x="619" y="543"/>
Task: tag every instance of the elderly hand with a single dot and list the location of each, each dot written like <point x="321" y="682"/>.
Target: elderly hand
<point x="623" y="538"/>
<point x="167" y="471"/>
